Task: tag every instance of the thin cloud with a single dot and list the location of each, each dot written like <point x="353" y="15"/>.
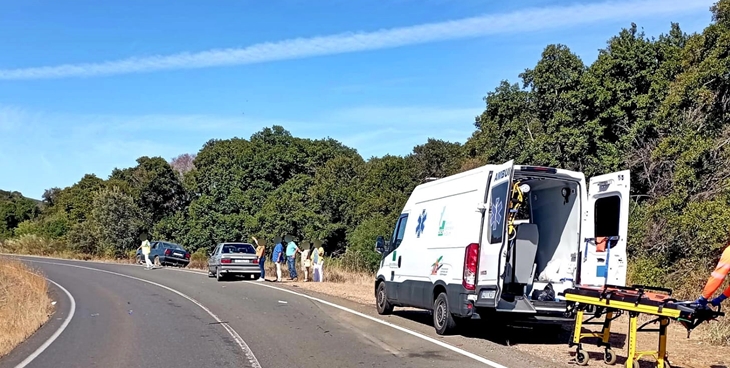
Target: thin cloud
<point x="534" y="19"/>
<point x="65" y="146"/>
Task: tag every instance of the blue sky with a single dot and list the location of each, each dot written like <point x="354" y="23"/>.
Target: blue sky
<point x="85" y="88"/>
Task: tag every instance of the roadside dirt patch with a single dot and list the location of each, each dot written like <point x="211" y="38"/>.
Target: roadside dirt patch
<point x="683" y="352"/>
<point x="24" y="303"/>
<point x="552" y="344"/>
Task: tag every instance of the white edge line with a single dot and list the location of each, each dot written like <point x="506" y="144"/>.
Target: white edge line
<point x="399" y="328"/>
<point x="58" y="332"/>
<point x="247" y="351"/>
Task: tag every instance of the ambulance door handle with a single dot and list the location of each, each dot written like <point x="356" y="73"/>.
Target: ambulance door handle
<point x="399" y="261"/>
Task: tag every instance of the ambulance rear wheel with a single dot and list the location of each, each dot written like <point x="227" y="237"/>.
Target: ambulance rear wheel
<point x="443" y="321"/>
<point x="381" y="301"/>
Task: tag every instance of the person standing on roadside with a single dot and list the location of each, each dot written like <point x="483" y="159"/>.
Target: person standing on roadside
<point x="291" y="255"/>
<point x="261" y="255"/>
<point x="146" y="253"/>
<point x="306" y="263"/>
<point x="318" y="261"/>
<point x="277" y="256"/>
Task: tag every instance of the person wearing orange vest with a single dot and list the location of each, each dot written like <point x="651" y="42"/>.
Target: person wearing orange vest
<point x="715" y="281"/>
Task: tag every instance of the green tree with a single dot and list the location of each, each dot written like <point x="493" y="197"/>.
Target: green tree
<point x="437" y="158"/>
<point x="116" y="221"/>
<point x="156" y="188"/>
<point x="77" y="200"/>
<point x="14" y="209"/>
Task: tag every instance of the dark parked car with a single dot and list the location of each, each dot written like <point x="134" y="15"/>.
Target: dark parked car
<point x="233" y="259"/>
<point x="166" y="253"/>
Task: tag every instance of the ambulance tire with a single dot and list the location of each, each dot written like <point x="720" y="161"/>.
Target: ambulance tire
<point x="381" y="300"/>
<point x="443" y="320"/>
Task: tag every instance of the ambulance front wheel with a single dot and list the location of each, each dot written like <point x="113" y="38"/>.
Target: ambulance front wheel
<point x="382" y="300"/>
<point x="443" y="321"/>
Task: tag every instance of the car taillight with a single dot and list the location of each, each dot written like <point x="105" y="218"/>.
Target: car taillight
<point x="471" y="256"/>
<point x="168" y="252"/>
<point x="256" y="261"/>
<point x="226" y="260"/>
<point x="187" y="255"/>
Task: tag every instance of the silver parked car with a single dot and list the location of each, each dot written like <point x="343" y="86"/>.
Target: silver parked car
<point x="233" y="259"/>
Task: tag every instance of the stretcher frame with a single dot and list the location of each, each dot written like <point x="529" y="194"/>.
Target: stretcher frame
<point x="610" y="302"/>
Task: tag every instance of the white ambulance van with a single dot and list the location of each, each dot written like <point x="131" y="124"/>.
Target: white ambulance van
<point x="462" y="248"/>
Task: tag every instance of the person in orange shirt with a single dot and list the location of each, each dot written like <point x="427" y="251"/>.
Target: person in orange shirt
<point x="715" y="281"/>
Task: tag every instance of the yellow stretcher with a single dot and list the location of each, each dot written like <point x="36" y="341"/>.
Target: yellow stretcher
<point x="610" y="302"/>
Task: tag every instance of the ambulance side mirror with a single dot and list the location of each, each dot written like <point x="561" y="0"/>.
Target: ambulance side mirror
<point x="379" y="245"/>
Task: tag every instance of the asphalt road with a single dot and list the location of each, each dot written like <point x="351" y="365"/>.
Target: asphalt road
<point x="126" y="316"/>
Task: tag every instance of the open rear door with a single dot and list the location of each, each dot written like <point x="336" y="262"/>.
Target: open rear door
<point x="491" y="253"/>
<point x="605" y="230"/>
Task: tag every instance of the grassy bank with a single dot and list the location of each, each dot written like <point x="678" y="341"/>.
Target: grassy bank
<point x="24" y="303"/>
<point x="347" y="269"/>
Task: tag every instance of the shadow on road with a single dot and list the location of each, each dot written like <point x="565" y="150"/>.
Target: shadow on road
<point x="510" y="333"/>
<point x="505" y="332"/>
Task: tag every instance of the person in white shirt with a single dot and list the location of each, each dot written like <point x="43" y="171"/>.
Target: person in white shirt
<point x="317" y="262"/>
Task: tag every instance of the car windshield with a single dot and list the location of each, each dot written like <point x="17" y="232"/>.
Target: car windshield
<point x="238" y="248"/>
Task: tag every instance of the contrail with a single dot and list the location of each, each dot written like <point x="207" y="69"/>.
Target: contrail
<point x="528" y="20"/>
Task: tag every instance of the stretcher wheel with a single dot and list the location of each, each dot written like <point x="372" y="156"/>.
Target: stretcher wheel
<point x="609" y="357"/>
<point x="581" y="357"/>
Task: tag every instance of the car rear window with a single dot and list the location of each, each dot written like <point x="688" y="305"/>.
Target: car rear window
<point x="238" y="248"/>
<point x="175" y="246"/>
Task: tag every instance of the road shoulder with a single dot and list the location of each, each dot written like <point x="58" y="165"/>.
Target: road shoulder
<point x="42" y="334"/>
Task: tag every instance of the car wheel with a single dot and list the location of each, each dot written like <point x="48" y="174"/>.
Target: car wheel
<point x="443" y="321"/>
<point x="139" y="259"/>
<point x="381" y="300"/>
<point x="157" y="262"/>
<point x="218" y="274"/>
<point x="210" y="273"/>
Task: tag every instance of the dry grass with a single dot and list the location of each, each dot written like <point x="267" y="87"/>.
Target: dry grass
<point x="34" y="245"/>
<point x="333" y="271"/>
<point x="24" y="303"/>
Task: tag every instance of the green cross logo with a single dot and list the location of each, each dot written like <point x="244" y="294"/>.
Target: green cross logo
<point x="442" y="223"/>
